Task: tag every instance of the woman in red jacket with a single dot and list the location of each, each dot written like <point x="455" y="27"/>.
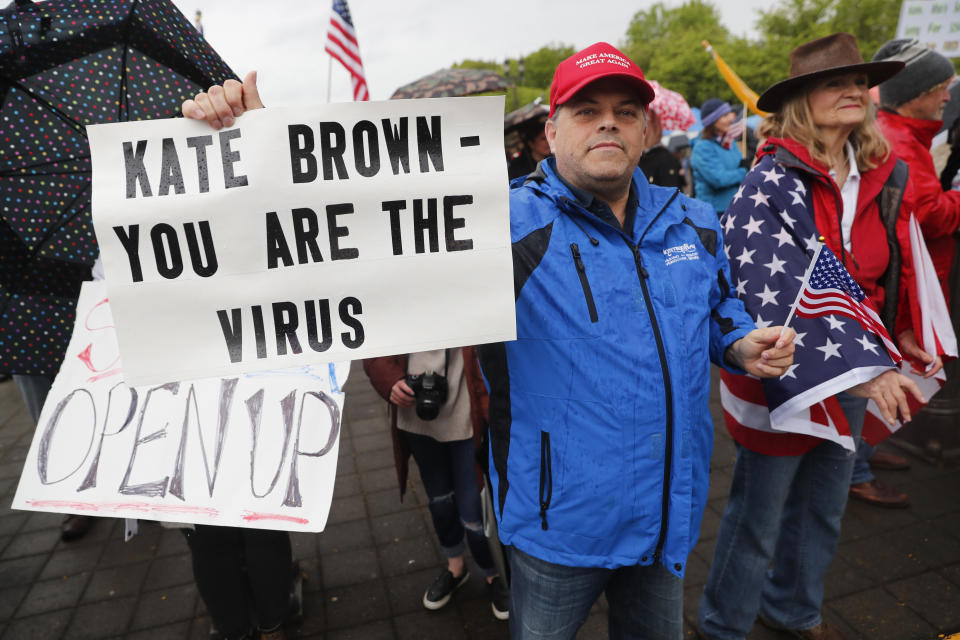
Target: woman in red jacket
<point x="825" y="174"/>
<point x="438" y="413"/>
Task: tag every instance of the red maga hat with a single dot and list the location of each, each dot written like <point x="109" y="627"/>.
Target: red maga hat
<point x="597" y="61"/>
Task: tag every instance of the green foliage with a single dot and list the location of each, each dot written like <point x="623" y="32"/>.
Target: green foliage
<point x="540" y="65"/>
<point x="665" y="42"/>
<point x="479" y="64"/>
<point x="538" y="70"/>
<point x="873" y="22"/>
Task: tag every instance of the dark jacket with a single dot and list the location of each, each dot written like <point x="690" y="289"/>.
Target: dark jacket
<point x="662" y="168"/>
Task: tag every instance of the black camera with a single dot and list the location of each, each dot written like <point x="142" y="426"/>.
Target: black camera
<point x="430" y="390"/>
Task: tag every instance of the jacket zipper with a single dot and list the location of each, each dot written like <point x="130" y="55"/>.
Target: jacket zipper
<point x="665" y="371"/>
<point x="584" y="283"/>
<point x="546" y="478"/>
<point x="643" y="274"/>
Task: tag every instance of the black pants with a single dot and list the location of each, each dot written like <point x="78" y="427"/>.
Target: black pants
<point x="238" y="570"/>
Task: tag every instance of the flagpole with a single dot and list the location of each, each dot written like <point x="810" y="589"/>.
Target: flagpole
<point x="329" y="75"/>
<point x="803" y="283"/>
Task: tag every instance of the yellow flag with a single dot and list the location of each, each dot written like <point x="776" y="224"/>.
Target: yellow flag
<point x="747" y="95"/>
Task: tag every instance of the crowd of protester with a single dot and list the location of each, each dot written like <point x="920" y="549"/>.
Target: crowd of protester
<point x="608" y="379"/>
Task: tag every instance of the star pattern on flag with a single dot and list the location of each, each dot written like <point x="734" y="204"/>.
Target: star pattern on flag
<point x="771" y="234"/>
<point x="767" y="296"/>
<point x="759" y="198"/>
<point x="783" y="237"/>
<point x="830" y="350"/>
<point x="789" y="373"/>
<point x="868" y="344"/>
<point x="775" y="265"/>
<point x="753" y="226"/>
<point x="729" y="223"/>
<point x="738" y="194"/>
<point x="835" y="323"/>
<point x="746" y="257"/>
<point x="772" y="176"/>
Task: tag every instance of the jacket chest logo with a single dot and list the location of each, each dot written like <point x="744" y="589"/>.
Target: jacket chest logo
<point x="685" y="251"/>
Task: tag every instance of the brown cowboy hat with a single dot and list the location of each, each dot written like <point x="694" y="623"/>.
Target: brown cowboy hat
<point x="833" y="54"/>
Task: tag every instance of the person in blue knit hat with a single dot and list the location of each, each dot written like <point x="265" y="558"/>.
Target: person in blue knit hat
<point x="716" y="162"/>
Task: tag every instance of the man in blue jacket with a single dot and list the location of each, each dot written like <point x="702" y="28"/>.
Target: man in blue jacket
<point x="600" y="431"/>
<point x="599" y="427"/>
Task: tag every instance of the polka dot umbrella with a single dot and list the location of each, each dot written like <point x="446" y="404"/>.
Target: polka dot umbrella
<point x="65" y="64"/>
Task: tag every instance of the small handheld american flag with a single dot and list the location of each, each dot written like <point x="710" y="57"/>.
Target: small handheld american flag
<point x="828" y="289"/>
<point x="342" y="45"/>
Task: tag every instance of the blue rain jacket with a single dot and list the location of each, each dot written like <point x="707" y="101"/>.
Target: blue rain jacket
<point x="599" y="427"/>
<point x="717" y="173"/>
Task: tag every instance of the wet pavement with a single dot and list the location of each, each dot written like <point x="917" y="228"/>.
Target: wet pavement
<point x="896" y="575"/>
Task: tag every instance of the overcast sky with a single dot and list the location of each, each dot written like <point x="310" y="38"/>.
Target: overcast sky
<point x="403" y="40"/>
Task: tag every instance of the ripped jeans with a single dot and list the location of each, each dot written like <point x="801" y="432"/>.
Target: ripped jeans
<point x="448" y="471"/>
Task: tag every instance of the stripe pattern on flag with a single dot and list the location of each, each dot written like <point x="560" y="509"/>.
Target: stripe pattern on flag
<point x="771" y="239"/>
<point x="343" y="47"/>
<point x="829" y="289"/>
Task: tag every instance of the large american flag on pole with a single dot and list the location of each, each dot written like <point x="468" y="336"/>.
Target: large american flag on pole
<point x="342" y="45"/>
<point x="771" y="240"/>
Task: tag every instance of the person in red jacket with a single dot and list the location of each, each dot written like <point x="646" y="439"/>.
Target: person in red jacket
<point x="438" y="414"/>
<point x="911" y="105"/>
<point x="824" y="174"/>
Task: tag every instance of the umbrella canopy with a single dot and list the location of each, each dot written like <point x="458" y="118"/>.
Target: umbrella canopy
<point x="675" y="114"/>
<point x="67" y="64"/>
<point x="527" y="113"/>
<point x="452" y="82"/>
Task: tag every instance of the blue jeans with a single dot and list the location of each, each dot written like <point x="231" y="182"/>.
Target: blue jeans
<point x="784" y="508"/>
<point x="448" y="472"/>
<point x="861" y="465"/>
<point x="551" y="601"/>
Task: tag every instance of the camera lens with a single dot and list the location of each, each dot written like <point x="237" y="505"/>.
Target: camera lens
<point x="427" y="410"/>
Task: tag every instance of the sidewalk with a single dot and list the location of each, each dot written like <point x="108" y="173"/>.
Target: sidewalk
<point x="896" y="575"/>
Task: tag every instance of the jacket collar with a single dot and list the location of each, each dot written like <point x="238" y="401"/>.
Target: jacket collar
<point x="546" y="180"/>
<point x="922" y="130"/>
<point x="793" y="154"/>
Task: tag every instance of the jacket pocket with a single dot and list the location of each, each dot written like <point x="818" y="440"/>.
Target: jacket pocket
<point x="584" y="283"/>
<point x="546" y="478"/>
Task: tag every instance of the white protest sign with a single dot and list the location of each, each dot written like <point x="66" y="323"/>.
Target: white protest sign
<point x="304" y="235"/>
<point x="935" y="23"/>
<point x="256" y="450"/>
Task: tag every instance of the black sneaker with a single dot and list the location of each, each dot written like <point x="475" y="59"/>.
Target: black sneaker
<point x="499" y="598"/>
<point x="438" y="594"/>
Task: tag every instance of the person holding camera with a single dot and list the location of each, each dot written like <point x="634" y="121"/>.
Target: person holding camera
<point x="438" y="414"/>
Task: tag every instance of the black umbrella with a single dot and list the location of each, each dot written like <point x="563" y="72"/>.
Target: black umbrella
<point x="65" y="64"/>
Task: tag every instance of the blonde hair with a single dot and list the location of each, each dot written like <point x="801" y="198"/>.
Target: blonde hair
<point x="795" y="120"/>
